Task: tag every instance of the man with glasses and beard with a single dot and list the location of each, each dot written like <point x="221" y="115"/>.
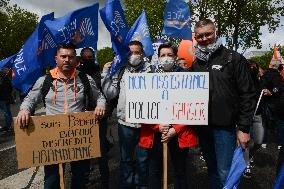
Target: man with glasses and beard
<point x="231" y="101"/>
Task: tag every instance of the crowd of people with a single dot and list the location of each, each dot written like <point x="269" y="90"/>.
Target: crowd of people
<point x="237" y="116"/>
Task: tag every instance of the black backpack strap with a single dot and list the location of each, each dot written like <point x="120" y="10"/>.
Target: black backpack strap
<point x="120" y="75"/>
<point x="112" y="103"/>
<point x="47" y="84"/>
<point x="87" y="92"/>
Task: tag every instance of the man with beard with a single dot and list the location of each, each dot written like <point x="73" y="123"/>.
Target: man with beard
<point x="231" y="101"/>
<point x="64" y="90"/>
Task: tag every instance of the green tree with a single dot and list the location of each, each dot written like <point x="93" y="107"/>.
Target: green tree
<point x="154" y="12"/>
<point x="240" y="20"/>
<point x="264" y="60"/>
<point x="155" y="16"/>
<point x="104" y="55"/>
<point x="16" y="26"/>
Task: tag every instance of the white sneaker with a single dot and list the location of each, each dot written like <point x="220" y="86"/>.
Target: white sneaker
<point x="279" y="147"/>
<point x="264" y="145"/>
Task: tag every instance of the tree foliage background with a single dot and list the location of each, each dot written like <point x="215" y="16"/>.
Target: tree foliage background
<point x="155" y="16"/>
<point x="240" y="20"/>
<point x="104" y="55"/>
<point x="16" y="25"/>
<point x="264" y="60"/>
<point x="154" y="12"/>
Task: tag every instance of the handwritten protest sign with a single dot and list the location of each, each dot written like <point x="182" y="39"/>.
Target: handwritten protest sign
<point x="167" y="98"/>
<point x="57" y="139"/>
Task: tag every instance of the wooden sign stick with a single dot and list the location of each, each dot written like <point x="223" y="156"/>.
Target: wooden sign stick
<point x="61" y="174"/>
<point x="165" y="165"/>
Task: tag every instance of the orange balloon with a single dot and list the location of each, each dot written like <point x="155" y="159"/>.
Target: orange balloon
<point x="186" y="50"/>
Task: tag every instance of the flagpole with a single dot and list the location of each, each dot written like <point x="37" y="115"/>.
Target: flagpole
<point x="258" y="102"/>
<point x="165" y="165"/>
<point x="61" y="176"/>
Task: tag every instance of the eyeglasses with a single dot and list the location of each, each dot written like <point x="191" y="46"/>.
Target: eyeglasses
<point x="207" y="35"/>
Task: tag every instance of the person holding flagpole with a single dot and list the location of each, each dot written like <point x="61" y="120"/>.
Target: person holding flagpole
<point x="133" y="174"/>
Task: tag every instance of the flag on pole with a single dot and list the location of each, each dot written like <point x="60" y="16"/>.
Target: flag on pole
<point x="79" y="27"/>
<point x="47" y="45"/>
<point x="237" y="168"/>
<point x="177" y="21"/>
<point x="26" y="65"/>
<point x="140" y="32"/>
<point x="113" y="17"/>
<point x="7" y="62"/>
<point x="277" y="55"/>
<point x="279" y="182"/>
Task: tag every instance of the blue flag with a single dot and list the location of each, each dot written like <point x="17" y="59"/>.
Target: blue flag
<point x="7" y="62"/>
<point x="26" y="65"/>
<point x="140" y="32"/>
<point x="177" y="21"/>
<point x="79" y="27"/>
<point x="113" y="17"/>
<point x="237" y="168"/>
<point x="279" y="182"/>
<point x="47" y="45"/>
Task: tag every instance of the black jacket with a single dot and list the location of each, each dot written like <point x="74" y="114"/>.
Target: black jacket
<point x="231" y="89"/>
<point x="6" y="87"/>
<point x="273" y="81"/>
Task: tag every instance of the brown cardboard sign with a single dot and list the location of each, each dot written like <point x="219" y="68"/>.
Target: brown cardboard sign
<point x="57" y="139"/>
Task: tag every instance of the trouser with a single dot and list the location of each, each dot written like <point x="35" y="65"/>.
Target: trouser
<point x="280" y="131"/>
<point x="103" y="160"/>
<point x="132" y="173"/>
<point x="257" y="136"/>
<point x="5" y="107"/>
<point x="80" y="175"/>
<point x="178" y="160"/>
<point x="217" y="146"/>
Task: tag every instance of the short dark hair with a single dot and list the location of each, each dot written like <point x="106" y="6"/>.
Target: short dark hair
<point x="138" y="43"/>
<point x="66" y="46"/>
<point x="87" y="49"/>
<point x="167" y="45"/>
<point x="204" y="22"/>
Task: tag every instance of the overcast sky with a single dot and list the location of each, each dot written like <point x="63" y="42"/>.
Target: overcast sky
<point x="61" y="7"/>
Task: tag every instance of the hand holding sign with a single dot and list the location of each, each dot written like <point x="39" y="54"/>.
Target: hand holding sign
<point x="169" y="135"/>
<point x="57" y="139"/>
<point x="164" y="128"/>
<point x="23" y="118"/>
<point x="99" y="112"/>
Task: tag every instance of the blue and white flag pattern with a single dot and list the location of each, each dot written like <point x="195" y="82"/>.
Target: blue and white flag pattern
<point x="114" y="19"/>
<point x="79" y="27"/>
<point x="140" y="32"/>
<point x="27" y="66"/>
<point x="177" y="21"/>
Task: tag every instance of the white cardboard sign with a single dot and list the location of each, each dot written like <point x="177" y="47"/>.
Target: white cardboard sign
<point x="167" y="98"/>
